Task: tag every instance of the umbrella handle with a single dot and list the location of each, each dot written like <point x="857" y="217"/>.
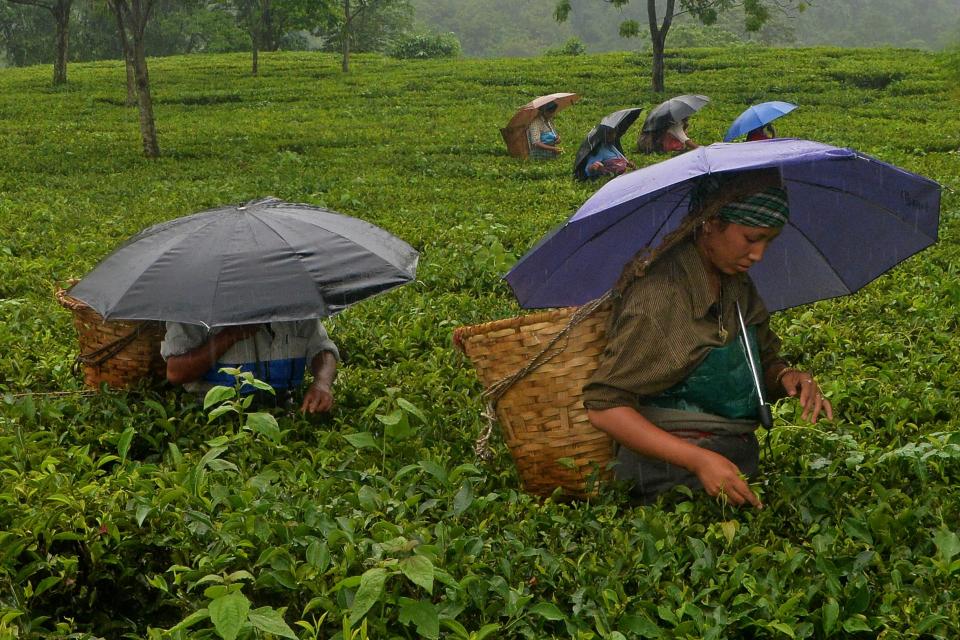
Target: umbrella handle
<point x="766" y="416"/>
<point x="764" y="411"/>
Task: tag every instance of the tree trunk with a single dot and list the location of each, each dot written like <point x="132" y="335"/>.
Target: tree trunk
<point x="127" y="57"/>
<point x="131" y="79"/>
<point x="132" y="21"/>
<point x="60" y="10"/>
<point x="345" y="36"/>
<point x="255" y="59"/>
<point x="658" y="40"/>
<point x="61" y="15"/>
<point x="657" y="75"/>
<point x="148" y="131"/>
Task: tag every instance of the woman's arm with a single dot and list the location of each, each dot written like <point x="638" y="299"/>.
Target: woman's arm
<point x="717" y="474"/>
<point x="191" y="365"/>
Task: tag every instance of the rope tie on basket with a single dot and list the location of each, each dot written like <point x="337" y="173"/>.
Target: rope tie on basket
<point x="494" y="392"/>
<point x="99" y="356"/>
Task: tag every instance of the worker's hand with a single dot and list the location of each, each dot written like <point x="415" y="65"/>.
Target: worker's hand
<point x="719" y="476"/>
<point x="596" y="166"/>
<point x="317" y="399"/>
<point x="801" y="384"/>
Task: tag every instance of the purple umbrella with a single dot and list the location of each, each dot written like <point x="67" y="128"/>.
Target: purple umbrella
<point x="852" y="217"/>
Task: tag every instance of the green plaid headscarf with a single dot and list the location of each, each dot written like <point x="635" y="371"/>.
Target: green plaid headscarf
<point x="767" y="208"/>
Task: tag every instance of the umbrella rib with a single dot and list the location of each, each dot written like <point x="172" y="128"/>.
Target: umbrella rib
<point x="173" y="241"/>
<point x="883" y="208"/>
<point x="302" y="265"/>
<point x="618" y="221"/>
<point x="298" y="254"/>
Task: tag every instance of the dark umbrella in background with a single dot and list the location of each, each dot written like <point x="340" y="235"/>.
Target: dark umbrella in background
<point x="673" y="111"/>
<point x="515" y="133"/>
<point x="618" y="121"/>
<point x="757" y="116"/>
<point x="852" y="217"/>
<point x="264" y="261"/>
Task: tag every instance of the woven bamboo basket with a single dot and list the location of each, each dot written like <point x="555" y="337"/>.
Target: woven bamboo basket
<point x="541" y="415"/>
<point x="119" y="353"/>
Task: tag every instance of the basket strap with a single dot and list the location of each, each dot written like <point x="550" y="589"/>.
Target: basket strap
<point x="99" y="356"/>
<point x="495" y="391"/>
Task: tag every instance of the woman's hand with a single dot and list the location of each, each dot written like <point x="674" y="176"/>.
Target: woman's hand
<point x="801" y="384"/>
<point x="720" y="476"/>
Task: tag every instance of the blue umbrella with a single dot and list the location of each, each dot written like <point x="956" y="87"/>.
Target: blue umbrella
<point x="852" y="217"/>
<point x="759" y="115"/>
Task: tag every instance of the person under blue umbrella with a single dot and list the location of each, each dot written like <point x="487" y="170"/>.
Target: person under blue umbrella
<point x="756" y="121"/>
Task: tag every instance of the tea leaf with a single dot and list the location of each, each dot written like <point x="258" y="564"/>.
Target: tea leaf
<point x="217" y="395"/>
<point x="370" y="590"/>
<point x="269" y="620"/>
<point x="423" y="614"/>
<point x="229" y="613"/>
<point x="419" y="570"/>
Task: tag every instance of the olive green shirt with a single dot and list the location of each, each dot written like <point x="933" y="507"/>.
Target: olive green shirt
<point x="664" y="325"/>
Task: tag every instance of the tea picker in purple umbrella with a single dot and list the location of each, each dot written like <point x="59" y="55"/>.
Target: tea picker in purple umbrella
<point x="789" y="211"/>
<point x="690" y="351"/>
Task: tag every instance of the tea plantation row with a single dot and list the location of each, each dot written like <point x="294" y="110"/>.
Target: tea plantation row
<point x="124" y="514"/>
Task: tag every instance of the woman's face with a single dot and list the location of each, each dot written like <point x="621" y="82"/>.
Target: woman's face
<point x="733" y="248"/>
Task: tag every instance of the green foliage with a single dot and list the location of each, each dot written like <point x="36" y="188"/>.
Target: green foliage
<point x="131" y="513"/>
<point x="372" y="25"/>
<point x="572" y="47"/>
<point x="691" y="35"/>
<point x="952" y="64"/>
<point x="425" y="46"/>
<point x="220" y="400"/>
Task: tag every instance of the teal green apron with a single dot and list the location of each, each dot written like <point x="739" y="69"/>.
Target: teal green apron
<point x="722" y="384"/>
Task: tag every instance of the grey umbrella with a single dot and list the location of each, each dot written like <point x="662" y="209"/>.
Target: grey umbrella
<point x="619" y="121"/>
<point x="672" y="111"/>
<point x="260" y="262"/>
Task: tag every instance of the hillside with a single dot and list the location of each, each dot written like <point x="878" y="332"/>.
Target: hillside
<point x="125" y="513"/>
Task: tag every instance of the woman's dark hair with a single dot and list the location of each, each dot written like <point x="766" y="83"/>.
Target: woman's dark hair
<point x="711" y="193"/>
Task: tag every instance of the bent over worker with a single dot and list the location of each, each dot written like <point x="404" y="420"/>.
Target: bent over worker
<point x="275" y="352"/>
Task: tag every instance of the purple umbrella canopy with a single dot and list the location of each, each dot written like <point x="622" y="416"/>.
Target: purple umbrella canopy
<point x="852" y="217"/>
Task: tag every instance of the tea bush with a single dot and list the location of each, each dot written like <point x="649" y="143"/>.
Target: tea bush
<point x="572" y="47"/>
<point x="129" y="514"/>
<point x="425" y="45"/>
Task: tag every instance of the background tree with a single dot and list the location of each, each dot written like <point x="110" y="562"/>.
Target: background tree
<point x="368" y="25"/>
<point x="25" y="35"/>
<point x="60" y="10"/>
<point x="132" y="17"/>
<point x="660" y="17"/>
<point x="272" y="23"/>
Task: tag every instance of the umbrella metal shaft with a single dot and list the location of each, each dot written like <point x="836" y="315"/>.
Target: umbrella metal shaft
<point x="766" y="417"/>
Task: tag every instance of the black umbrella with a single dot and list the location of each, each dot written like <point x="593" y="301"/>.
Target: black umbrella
<point x="264" y="261"/>
<point x="621" y="120"/>
<point x="618" y="121"/>
<point x="672" y="111"/>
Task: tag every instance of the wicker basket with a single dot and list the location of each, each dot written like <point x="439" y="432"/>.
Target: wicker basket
<point x="542" y="416"/>
<point x="117" y="352"/>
